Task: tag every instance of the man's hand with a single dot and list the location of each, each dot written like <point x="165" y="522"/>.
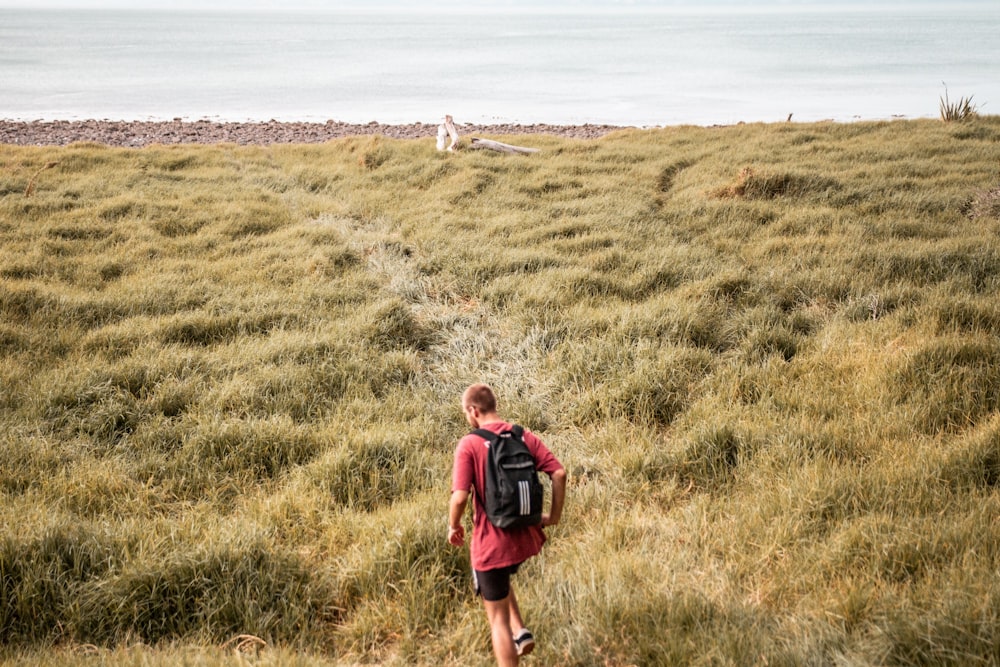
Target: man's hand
<point x="456" y="536"/>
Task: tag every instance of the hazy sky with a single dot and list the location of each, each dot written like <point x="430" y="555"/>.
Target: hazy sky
<point x="429" y="5"/>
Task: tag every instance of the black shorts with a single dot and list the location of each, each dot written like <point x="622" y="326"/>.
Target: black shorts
<point x="494" y="585"/>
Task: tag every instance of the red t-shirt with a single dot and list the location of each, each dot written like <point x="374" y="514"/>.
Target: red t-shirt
<point x="493" y="547"/>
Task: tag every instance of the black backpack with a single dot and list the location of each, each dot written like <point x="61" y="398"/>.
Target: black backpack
<point x="513" y="495"/>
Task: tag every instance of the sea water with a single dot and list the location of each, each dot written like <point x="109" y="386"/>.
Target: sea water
<point x="644" y="68"/>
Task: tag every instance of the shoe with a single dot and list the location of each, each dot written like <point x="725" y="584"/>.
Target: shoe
<point x="524" y="642"/>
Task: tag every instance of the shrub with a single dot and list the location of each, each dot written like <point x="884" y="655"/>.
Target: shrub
<point x="957" y="111"/>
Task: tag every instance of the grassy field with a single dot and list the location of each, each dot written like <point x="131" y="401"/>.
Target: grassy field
<point x="768" y="355"/>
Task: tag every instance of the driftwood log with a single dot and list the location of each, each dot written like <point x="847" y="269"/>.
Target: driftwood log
<point x="447" y="130"/>
<point x="498" y="146"/>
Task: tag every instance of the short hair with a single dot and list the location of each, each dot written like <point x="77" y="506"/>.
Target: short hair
<point x="481" y="396"/>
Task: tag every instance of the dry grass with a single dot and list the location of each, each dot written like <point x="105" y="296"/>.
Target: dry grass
<point x="230" y="380"/>
<point x="985" y="204"/>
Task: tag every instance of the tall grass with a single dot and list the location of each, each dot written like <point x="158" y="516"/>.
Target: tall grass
<point x="766" y="354"/>
<point x="960" y="110"/>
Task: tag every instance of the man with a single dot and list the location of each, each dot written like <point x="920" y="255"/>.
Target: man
<point x="498" y="553"/>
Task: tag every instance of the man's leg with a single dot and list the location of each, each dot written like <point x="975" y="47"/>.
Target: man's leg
<point x="516" y="623"/>
<point x="498" y="614"/>
<point x="524" y="642"/>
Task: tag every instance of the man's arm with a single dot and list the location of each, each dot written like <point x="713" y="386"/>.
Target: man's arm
<point x="456" y="532"/>
<point x="558" y="498"/>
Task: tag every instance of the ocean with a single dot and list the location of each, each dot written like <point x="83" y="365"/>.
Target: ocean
<point x="642" y="68"/>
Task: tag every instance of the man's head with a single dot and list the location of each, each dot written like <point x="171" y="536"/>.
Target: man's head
<point x="478" y="401"/>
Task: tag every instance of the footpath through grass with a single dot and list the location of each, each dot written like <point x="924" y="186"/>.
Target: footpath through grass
<point x="769" y="356"/>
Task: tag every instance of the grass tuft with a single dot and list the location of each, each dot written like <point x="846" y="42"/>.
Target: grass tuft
<point x="33" y="181"/>
<point x="960" y="110"/>
<point x="956" y="381"/>
<point x="752" y="184"/>
<point x="985" y="204"/>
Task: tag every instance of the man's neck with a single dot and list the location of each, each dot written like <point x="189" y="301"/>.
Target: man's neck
<point x="492" y="418"/>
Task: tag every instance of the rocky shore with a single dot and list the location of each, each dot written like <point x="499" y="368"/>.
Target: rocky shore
<point x="144" y="133"/>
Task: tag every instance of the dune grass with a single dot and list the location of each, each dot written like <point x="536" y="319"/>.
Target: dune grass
<point x="958" y="111"/>
<point x="767" y="354"/>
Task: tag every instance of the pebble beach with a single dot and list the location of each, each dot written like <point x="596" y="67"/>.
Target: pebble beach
<point x="144" y="133"/>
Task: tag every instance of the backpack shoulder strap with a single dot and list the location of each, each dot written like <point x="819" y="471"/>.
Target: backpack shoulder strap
<point x="492" y="438"/>
<point x="516" y="429"/>
<point x="486" y="435"/>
